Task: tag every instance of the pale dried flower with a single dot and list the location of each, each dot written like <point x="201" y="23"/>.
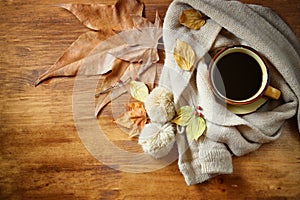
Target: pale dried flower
<point x="160" y="105"/>
<point x="157" y="140"/>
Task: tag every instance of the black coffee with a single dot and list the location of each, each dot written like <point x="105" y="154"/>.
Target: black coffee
<point x="237" y="76"/>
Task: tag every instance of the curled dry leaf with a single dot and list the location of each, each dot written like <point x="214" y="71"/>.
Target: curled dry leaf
<point x="184" y="55"/>
<point x="96" y="17"/>
<point x="134" y="119"/>
<point x="192" y="19"/>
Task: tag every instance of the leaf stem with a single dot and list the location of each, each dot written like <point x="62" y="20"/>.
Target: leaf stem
<point x="117" y="85"/>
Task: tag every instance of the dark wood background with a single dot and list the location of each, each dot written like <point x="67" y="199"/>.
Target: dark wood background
<point x="41" y="154"/>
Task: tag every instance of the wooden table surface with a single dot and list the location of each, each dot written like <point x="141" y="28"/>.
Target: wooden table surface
<point x="41" y="154"/>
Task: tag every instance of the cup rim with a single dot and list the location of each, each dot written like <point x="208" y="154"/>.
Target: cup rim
<point x="258" y="94"/>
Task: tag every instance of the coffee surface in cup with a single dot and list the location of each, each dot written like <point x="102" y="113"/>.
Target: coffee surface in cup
<point x="237" y="76"/>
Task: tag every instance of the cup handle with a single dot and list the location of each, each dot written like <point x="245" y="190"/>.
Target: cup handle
<point x="272" y="93"/>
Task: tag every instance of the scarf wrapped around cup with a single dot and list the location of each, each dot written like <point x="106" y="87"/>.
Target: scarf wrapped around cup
<point x="228" y="23"/>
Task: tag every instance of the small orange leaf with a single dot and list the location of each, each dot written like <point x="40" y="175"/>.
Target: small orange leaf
<point x="134" y="119"/>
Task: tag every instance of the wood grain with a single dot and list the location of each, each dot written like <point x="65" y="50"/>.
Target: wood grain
<point x="41" y="154"/>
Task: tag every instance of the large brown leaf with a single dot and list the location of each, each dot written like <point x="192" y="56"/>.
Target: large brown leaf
<point x="97" y="17"/>
<point x="107" y="17"/>
<point x="69" y="63"/>
<point x="135" y="46"/>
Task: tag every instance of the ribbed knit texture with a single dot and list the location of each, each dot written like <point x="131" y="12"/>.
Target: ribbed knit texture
<point x="230" y="22"/>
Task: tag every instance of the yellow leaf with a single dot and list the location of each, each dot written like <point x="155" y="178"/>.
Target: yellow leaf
<point x="192" y="19"/>
<point x="184" y="55"/>
<point x="139" y="90"/>
<point x="184" y="115"/>
<point x="195" y="128"/>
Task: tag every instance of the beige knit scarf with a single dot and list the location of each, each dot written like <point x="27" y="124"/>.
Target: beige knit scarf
<point x="230" y="22"/>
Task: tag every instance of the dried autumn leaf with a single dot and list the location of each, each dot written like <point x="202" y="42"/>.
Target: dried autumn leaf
<point x="141" y="22"/>
<point x="134" y="118"/>
<point x="184" y="116"/>
<point x="192" y="19"/>
<point x="80" y="54"/>
<point x="68" y="64"/>
<point x="151" y="75"/>
<point x="134" y="131"/>
<point x="184" y="55"/>
<point x="118" y="68"/>
<point x="195" y="124"/>
<point x="124" y="121"/>
<point x="139" y="90"/>
<point x="140" y="44"/>
<point x="106" y="17"/>
<point x="137" y="52"/>
<point x="133" y="54"/>
<point x="112" y="91"/>
<point x="137" y="113"/>
<point x="195" y="128"/>
<point x="131" y="73"/>
<point x="106" y="98"/>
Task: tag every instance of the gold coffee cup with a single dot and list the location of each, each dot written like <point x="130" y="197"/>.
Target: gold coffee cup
<point x="239" y="75"/>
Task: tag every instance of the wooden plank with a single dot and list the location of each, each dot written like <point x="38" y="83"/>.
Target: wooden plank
<point x="41" y="154"/>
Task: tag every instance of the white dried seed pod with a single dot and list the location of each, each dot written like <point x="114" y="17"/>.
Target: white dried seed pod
<point x="160" y="105"/>
<point x="157" y="140"/>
